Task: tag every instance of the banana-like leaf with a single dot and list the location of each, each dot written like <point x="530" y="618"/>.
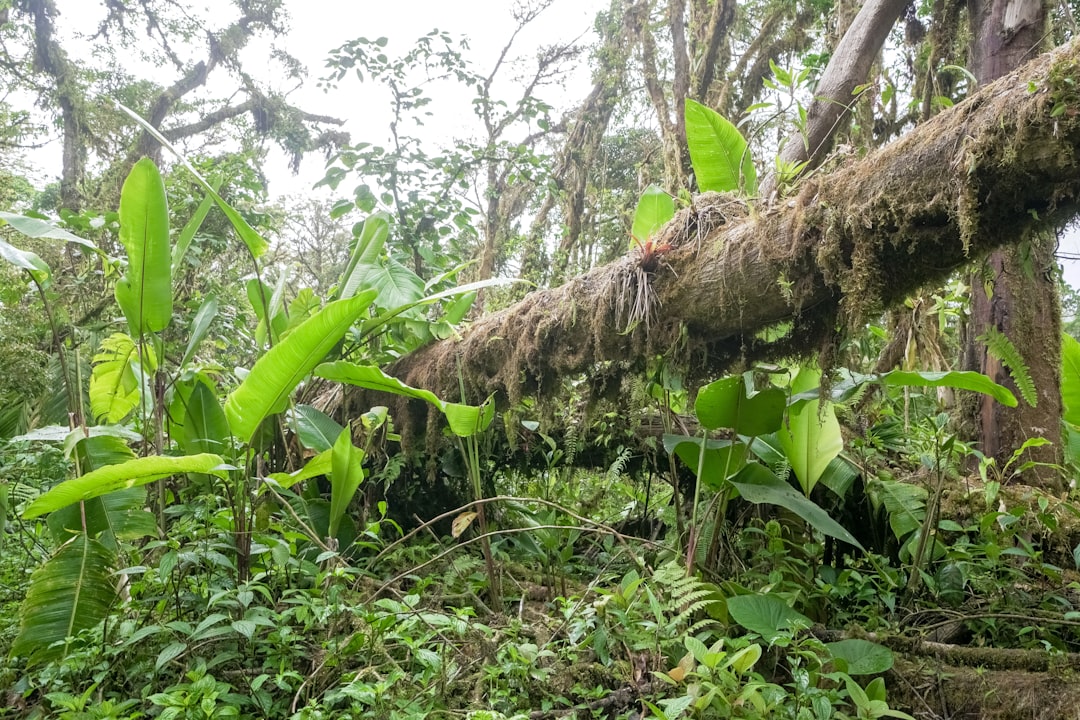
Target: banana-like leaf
<point x="255" y="243"/>
<point x="266" y="388"/>
<point x="116" y="383"/>
<point x="188" y="233"/>
<point x="72" y="591"/>
<point x="811" y="438"/>
<point x="654" y="209"/>
<point x="315" y="429"/>
<point x="757" y="484"/>
<point x="366" y="252"/>
<point x="199" y="424"/>
<point x="718" y="152"/>
<point x="464" y="420"/>
<point x="345" y="477"/>
<point x="35" y="228"/>
<point x="145" y="291"/>
<point x="26" y="260"/>
<point x="132" y="473"/>
<point x="1070" y="379"/>
<point x="321" y="464"/>
<point x="200" y="326"/>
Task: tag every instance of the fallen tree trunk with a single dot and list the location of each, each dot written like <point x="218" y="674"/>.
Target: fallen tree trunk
<point x="857" y="238"/>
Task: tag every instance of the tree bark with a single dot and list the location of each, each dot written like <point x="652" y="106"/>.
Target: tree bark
<point x="1016" y="294"/>
<point x="854" y="241"/>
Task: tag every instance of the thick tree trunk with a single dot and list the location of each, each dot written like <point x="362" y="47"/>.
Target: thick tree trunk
<point x="854" y="241"/>
<point x="1016" y="294"/>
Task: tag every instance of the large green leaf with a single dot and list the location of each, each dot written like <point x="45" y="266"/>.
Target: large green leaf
<point x="315" y="429"/>
<point x="133" y="473"/>
<point x="861" y="657"/>
<point x="397" y="285"/>
<point x="145" y="291"/>
<point x="365" y="253"/>
<point x="255" y="243"/>
<point x="1070" y="378"/>
<point x="905" y="504"/>
<point x="25" y="260"/>
<point x="718" y="152"/>
<point x="727" y="403"/>
<point x="42" y="229"/>
<point x="721" y="459"/>
<point x="200" y="326"/>
<point x="960" y="379"/>
<point x="812" y="437"/>
<point x="757" y="484"/>
<point x="464" y="420"/>
<point x="767" y="615"/>
<point x="655" y="208"/>
<point x="72" y="591"/>
<point x="116" y="382"/>
<point x="321" y="464"/>
<point x="199" y="424"/>
<point x="347" y="462"/>
<point x="267" y="387"/>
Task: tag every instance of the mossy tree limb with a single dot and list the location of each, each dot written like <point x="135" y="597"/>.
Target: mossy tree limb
<point x="855" y="240"/>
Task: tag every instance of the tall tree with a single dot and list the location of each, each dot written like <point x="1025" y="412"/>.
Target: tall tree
<point x="1015" y="294"/>
<point x="39" y="55"/>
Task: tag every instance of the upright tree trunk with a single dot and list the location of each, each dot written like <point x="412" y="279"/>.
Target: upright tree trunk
<point x="1016" y="294"/>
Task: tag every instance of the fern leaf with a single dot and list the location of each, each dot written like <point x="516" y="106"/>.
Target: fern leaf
<point x="1000" y="347"/>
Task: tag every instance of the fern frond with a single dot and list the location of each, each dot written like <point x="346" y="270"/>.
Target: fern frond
<point x="1001" y="348"/>
<point x="570" y="444"/>
<point x="615" y="470"/>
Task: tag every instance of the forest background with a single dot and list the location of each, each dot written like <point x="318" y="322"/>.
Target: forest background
<point x="445" y="436"/>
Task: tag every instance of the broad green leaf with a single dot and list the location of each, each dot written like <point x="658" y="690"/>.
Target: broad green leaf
<point x="726" y="403"/>
<point x="255" y="243"/>
<point x="1070" y="378"/>
<point x="365" y="253"/>
<point x="464" y="420"/>
<point x="839" y="476"/>
<point x="321" y="464"/>
<point x="26" y="260"/>
<point x="767" y="615"/>
<point x="721" y="460"/>
<point x="718" y="152"/>
<point x="145" y="291"/>
<point x="35" y="228"/>
<point x="72" y="591"/>
<point x="120" y="515"/>
<point x="960" y="379"/>
<point x="757" y="484"/>
<point x="654" y="210"/>
<point x="456" y="311"/>
<point x="861" y="656"/>
<point x="117" y="380"/>
<point x="345" y="477"/>
<point x="316" y="430"/>
<point x="267" y="387"/>
<point x="199" y="424"/>
<point x="200" y="326"/>
<point x="812" y="437"/>
<point x="133" y="473"/>
<point x="396" y="284"/>
<point x="370" y="326"/>
<point x="188" y="233"/>
<point x="261" y="298"/>
<point x="905" y="504"/>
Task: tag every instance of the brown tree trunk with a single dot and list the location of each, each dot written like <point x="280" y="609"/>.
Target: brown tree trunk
<point x="1016" y="293"/>
<point x="854" y="241"/>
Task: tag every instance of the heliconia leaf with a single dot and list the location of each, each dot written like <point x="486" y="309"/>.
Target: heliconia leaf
<point x="192" y="227"/>
<point x="199" y="424"/>
<point x="145" y="291"/>
<point x="961" y="379"/>
<point x="256" y="244"/>
<point x="36" y="228"/>
<point x="757" y="484"/>
<point x="811" y="438"/>
<point x="315" y="429"/>
<point x="718" y="152"/>
<point x="133" y="473"/>
<point x="654" y="209"/>
<point x="117" y="380"/>
<point x="461" y="523"/>
<point x="366" y="252"/>
<point x="25" y="260"/>
<point x="277" y="373"/>
<point x="464" y="420"/>
<point x="347" y="472"/>
<point x="72" y="591"/>
<point x="321" y="464"/>
<point x="1070" y="379"/>
<point x="200" y="326"/>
